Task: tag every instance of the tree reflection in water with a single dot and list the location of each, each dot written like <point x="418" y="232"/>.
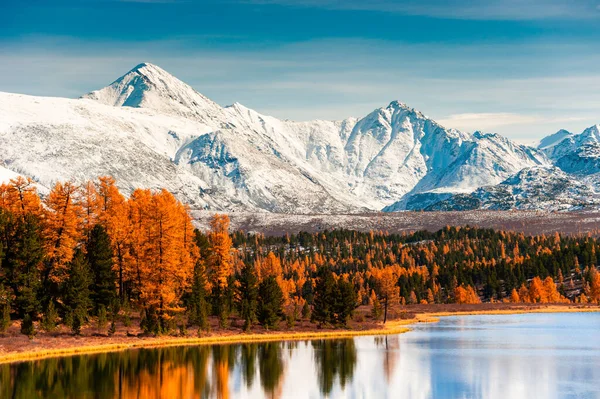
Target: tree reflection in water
<point x="177" y="372"/>
<point x="334" y="358"/>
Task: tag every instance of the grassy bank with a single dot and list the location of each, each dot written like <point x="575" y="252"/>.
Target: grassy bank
<point x="19" y="348"/>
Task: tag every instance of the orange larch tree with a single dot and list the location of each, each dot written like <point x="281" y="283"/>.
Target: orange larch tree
<point x="62" y="229"/>
<point x="114" y="216"/>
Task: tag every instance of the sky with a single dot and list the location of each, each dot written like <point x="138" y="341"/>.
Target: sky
<point x="522" y="68"/>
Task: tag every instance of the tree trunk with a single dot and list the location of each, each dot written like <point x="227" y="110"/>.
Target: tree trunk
<point x="385" y="310"/>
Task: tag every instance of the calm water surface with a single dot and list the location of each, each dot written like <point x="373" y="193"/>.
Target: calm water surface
<point x="508" y="356"/>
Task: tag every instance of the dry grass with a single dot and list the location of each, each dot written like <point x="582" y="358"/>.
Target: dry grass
<point x="20" y="350"/>
<point x="391" y="328"/>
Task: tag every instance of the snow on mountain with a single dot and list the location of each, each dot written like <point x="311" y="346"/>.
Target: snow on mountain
<point x="485" y="159"/>
<point x="150" y="87"/>
<point x="550" y="141"/>
<point x="577" y="154"/>
<point x="149" y="129"/>
<point x="536" y="188"/>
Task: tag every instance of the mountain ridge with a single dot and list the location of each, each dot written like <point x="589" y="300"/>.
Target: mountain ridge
<point x="149" y="127"/>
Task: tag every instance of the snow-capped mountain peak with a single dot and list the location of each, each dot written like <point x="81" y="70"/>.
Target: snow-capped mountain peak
<point x="151" y="87"/>
<point x="149" y="129"/>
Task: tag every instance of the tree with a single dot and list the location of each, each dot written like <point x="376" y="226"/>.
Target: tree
<point x="27" y="327"/>
<point x="270" y="308"/>
<point x="167" y="254"/>
<point x="247" y="295"/>
<point x="23" y="260"/>
<point x="50" y="319"/>
<point x="514" y="296"/>
<point x="77" y="288"/>
<point x="345" y="301"/>
<point x="4" y="307"/>
<point x="389" y="292"/>
<point x="115" y="217"/>
<point x="536" y="293"/>
<point x="62" y="230"/>
<point x="220" y="264"/>
<point x="324" y="293"/>
<point x="20" y="197"/>
<point x="100" y="259"/>
<point x="197" y="302"/>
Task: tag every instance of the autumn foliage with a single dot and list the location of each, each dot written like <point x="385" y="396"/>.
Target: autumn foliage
<point x="151" y="258"/>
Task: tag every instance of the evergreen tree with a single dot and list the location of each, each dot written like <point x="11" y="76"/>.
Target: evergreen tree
<point x="100" y="260"/>
<point x="4" y="309"/>
<point x="24" y="257"/>
<point x="197" y="303"/>
<point x="27" y="327"/>
<point x="50" y="318"/>
<point x="270" y="306"/>
<point x="324" y="294"/>
<point x="102" y="318"/>
<point x="77" y="288"/>
<point x="248" y="295"/>
<point x="345" y="301"/>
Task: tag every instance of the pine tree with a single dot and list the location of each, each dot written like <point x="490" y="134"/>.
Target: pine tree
<point x="27" y="327"/>
<point x="345" y="301"/>
<point x="270" y="305"/>
<point x="197" y="303"/>
<point x="24" y="259"/>
<point x="248" y="295"/>
<point x="77" y="289"/>
<point x="324" y="294"/>
<point x="100" y="260"/>
<point x="102" y="318"/>
<point x="305" y="310"/>
<point x="4" y="308"/>
<point x="50" y="319"/>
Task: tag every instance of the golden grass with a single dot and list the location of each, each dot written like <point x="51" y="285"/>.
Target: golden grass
<point x="392" y="327"/>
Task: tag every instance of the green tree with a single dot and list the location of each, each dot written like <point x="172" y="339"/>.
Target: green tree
<point x="103" y="289"/>
<point x="102" y="318"/>
<point x="345" y="301"/>
<point x="50" y="318"/>
<point x="23" y="259"/>
<point x="27" y="327"/>
<point x="324" y="294"/>
<point x="77" y="288"/>
<point x="270" y="308"/>
<point x="247" y="295"/>
<point x="197" y="303"/>
<point x="4" y="308"/>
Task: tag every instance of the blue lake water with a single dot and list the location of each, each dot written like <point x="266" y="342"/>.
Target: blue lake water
<point x="506" y="356"/>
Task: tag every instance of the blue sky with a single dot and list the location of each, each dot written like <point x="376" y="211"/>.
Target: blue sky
<point x="521" y="68"/>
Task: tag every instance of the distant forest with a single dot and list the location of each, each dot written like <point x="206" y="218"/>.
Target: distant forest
<point x="86" y="253"/>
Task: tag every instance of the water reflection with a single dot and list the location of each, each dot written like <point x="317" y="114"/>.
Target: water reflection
<point x="525" y="356"/>
<point x="334" y="359"/>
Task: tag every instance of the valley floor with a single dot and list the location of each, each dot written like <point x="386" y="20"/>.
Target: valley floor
<point x="527" y="222"/>
<point x="17" y="347"/>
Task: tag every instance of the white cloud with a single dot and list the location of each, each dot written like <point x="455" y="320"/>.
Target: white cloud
<point x="460" y="9"/>
<point x="524" y="91"/>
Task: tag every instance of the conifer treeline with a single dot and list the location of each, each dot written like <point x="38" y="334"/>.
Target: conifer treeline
<point x="87" y="251"/>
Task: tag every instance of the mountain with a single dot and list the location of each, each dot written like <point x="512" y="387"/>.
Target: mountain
<point x="536" y="188"/>
<point x="575" y="153"/>
<point x="149" y="129"/>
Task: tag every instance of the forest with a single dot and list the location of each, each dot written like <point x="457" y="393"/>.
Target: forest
<point x="82" y="254"/>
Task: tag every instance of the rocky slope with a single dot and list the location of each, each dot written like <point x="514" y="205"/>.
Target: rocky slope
<point x="149" y="129"/>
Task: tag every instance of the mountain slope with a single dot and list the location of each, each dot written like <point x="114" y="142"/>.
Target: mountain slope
<point x="149" y="129"/>
<point x="537" y="188"/>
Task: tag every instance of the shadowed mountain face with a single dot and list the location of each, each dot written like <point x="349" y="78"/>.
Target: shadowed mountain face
<point x="148" y="129"/>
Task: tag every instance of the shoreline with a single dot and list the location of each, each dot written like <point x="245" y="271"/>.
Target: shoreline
<point x="399" y="326"/>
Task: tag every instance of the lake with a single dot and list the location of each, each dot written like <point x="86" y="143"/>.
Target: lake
<point x="504" y="356"/>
